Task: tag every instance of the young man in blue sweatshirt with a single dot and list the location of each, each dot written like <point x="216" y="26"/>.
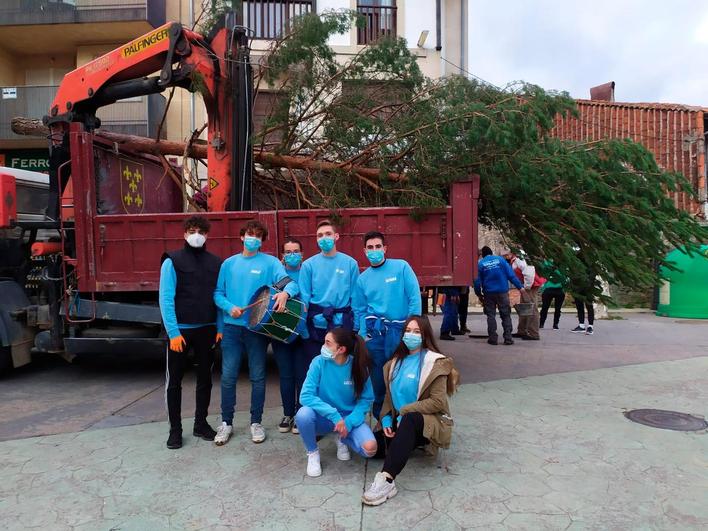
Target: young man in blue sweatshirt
<point x="187" y="281"/>
<point x="240" y="277"/>
<point x="387" y="294"/>
<point x="492" y="286"/>
<point x="327" y="281"/>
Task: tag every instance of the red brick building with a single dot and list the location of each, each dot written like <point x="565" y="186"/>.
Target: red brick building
<point x="675" y="134"/>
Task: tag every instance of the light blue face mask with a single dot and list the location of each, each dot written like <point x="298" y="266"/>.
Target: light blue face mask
<point x="326" y="353"/>
<point x="293" y="259"/>
<point x="412" y="341"/>
<point x="251" y="243"/>
<point x="326" y="244"/>
<point x="375" y="257"/>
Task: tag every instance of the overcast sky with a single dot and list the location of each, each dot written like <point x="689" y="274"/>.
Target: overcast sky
<point x="654" y="50"/>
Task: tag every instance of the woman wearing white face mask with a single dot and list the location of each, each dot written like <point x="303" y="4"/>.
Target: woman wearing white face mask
<point x="415" y="411"/>
<point x="336" y="396"/>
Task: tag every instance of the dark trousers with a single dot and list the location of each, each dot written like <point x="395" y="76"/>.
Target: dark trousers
<point x="556" y="296"/>
<point x="409" y="435"/>
<point x="201" y="340"/>
<point x="462" y="307"/>
<point x="580" y="306"/>
<point x="492" y="302"/>
<point x="289" y="357"/>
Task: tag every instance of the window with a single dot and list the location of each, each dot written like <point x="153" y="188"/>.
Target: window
<point x="269" y="19"/>
<point x="380" y="20"/>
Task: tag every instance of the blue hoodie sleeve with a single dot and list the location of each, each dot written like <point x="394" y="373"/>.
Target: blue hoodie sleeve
<point x="412" y="290"/>
<point x="279" y="274"/>
<point x="363" y="405"/>
<point x="168" y="285"/>
<point x="220" y="292"/>
<point x="512" y="276"/>
<point x="359" y="306"/>
<point x="305" y="282"/>
<point x="309" y="394"/>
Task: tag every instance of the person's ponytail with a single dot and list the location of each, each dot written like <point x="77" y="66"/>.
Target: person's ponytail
<point x="356" y="347"/>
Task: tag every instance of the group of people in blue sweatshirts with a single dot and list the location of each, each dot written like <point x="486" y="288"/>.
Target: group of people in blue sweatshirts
<point x="364" y="350"/>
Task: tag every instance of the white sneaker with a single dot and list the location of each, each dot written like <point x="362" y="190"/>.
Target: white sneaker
<point x="257" y="432"/>
<point x="314" y="469"/>
<point x="342" y="451"/>
<point x="379" y="491"/>
<point x="223" y="433"/>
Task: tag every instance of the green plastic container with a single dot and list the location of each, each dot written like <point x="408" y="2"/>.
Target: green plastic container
<point x="685" y="294"/>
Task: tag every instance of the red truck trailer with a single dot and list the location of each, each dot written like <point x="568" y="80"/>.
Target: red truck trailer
<point x="94" y="287"/>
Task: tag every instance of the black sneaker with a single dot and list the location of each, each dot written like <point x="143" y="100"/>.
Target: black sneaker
<point x="286" y="424"/>
<point x="174" y="441"/>
<point x="204" y="431"/>
<point x="555" y="327"/>
<point x="588" y="330"/>
<point x="465" y="330"/>
<point x="508" y="341"/>
<point x="459" y="333"/>
<point x="447" y="337"/>
<point x="492" y="341"/>
<point x="529" y="338"/>
<point x="517" y="335"/>
<point x="578" y="330"/>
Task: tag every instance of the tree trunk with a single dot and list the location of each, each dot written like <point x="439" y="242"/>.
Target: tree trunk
<point x="25" y="126"/>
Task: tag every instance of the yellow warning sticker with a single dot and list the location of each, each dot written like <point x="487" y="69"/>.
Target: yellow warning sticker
<point x="144" y="42"/>
<point x="212" y="183"/>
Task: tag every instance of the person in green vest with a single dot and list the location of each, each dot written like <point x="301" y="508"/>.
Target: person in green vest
<point x="552" y="291"/>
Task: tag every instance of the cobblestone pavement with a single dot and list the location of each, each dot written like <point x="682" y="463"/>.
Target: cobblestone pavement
<point x="541" y="452"/>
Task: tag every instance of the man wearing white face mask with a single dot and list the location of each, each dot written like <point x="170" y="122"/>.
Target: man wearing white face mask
<point x="187" y="280"/>
<point x="386" y="294"/>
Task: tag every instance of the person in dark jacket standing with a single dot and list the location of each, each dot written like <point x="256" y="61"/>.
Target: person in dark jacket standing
<point x="492" y="287"/>
<point x="187" y="281"/>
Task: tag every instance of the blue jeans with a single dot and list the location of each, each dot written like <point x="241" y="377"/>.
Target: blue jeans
<point x="311" y="424"/>
<point x="236" y="340"/>
<point x="289" y="359"/>
<point x="381" y="347"/>
<point x="450" y="323"/>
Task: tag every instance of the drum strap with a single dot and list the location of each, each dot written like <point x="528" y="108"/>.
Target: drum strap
<point x="280" y="285"/>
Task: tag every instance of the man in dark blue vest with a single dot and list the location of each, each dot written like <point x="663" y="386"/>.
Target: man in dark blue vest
<point x="187" y="282"/>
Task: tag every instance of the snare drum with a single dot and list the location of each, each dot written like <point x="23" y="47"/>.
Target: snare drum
<point x="264" y="320"/>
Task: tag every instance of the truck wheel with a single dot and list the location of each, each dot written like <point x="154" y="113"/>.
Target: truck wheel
<point x="5" y="360"/>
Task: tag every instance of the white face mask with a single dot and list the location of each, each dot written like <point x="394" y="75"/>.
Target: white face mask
<point x="196" y="239"/>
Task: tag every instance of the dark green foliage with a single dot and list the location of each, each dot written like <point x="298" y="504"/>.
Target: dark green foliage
<point x="596" y="208"/>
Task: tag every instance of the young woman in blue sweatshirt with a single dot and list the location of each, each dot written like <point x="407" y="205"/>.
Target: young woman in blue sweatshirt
<point x="415" y="411"/>
<point x="336" y="396"/>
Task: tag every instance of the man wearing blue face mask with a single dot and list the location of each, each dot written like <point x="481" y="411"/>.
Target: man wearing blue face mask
<point x="327" y="281"/>
<point x="239" y="278"/>
<point x="386" y="294"/>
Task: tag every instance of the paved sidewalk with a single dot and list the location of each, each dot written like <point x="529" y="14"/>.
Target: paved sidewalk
<point x="543" y="452"/>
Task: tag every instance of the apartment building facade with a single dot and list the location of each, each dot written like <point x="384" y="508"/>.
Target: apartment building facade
<point x="41" y="40"/>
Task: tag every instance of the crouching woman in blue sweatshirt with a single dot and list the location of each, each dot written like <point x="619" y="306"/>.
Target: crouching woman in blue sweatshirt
<point x="415" y="411"/>
<point x="336" y="396"/>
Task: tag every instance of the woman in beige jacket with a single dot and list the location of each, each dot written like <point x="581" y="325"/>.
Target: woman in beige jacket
<point x="415" y="411"/>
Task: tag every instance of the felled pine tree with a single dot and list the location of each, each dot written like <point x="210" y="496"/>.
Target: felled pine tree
<point x="595" y="208"/>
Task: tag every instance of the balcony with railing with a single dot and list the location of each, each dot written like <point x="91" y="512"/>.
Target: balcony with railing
<point x="29" y="12"/>
<point x="136" y="116"/>
<point x="380" y="20"/>
<point x="268" y="19"/>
